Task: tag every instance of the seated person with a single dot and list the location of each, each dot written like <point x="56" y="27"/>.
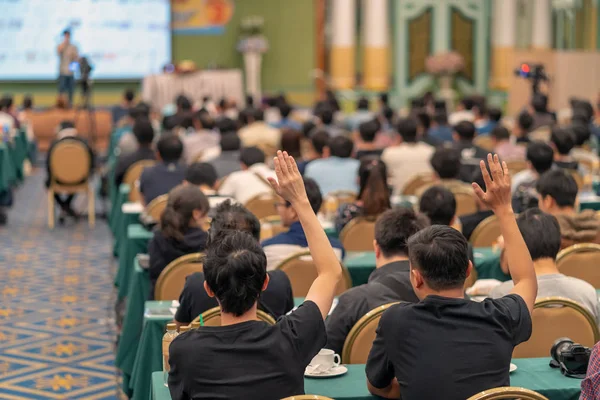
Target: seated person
<point x="470" y="221"/>
<point x="120" y="111"/>
<point x="389" y="282"/>
<point x="144" y="134"/>
<point x="503" y="146"/>
<point x="258" y="132"/>
<point x="251" y="180"/>
<point x="440" y="130"/>
<point x="276" y="300"/>
<point x="446" y="166"/>
<point x="207" y="362"/>
<point x="228" y="160"/>
<point x="470" y="154"/>
<point x="373" y="196"/>
<point x="365" y="145"/>
<point x="540" y="158"/>
<point x="204" y="176"/>
<point x="542" y="117"/>
<point x="285" y="110"/>
<point x="202" y="138"/>
<point x="167" y="173"/>
<point x="285" y="244"/>
<point x="319" y="148"/>
<point x="563" y="141"/>
<point x="582" y="136"/>
<point x="445" y="328"/>
<point x="522" y="127"/>
<point x="464" y="111"/>
<point x="180" y="231"/>
<point x="557" y="195"/>
<point x="337" y="172"/>
<point x="123" y="134"/>
<point x="541" y="233"/>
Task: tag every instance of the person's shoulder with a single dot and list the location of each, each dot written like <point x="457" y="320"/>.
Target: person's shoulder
<point x="580" y="285"/>
<point x="505" y="304"/>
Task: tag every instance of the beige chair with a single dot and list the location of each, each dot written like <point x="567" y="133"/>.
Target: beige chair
<point x="308" y="397"/>
<point x="333" y="200"/>
<point x="171" y="280"/>
<point x="212" y="317"/>
<point x="417" y="182"/>
<point x="360" y="338"/>
<point x="553" y="318"/>
<point x="465" y="202"/>
<point x="302" y="272"/>
<point x="156" y="207"/>
<point x="486" y="233"/>
<point x="591" y="165"/>
<point x="485" y="142"/>
<point x="271" y="226"/>
<point x="515" y="166"/>
<point x="508" y="392"/>
<point x="581" y="261"/>
<point x="262" y="205"/>
<point x="541" y="134"/>
<point x="132" y="178"/>
<point x="70" y="165"/>
<point x="577" y="176"/>
<point x="358" y="234"/>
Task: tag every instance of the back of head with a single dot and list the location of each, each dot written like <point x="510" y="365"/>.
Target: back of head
<point x="233" y="217"/>
<point x="170" y="148"/>
<point x="129" y="95"/>
<point x="394" y="227"/>
<point x="7" y="101"/>
<point x="285" y="110"/>
<point x="183" y="201"/>
<point x="582" y="133"/>
<point x="384" y="98"/>
<point x="252" y="155"/>
<point x="439" y="205"/>
<point x="204" y="118"/>
<point x="541" y="233"/>
<point x="465" y="130"/>
<point x="407" y="128"/>
<point x="226" y="125"/>
<point x="494" y="114"/>
<point x="230" y="142"/>
<point x="541" y="156"/>
<point x="374" y="192"/>
<point x="441" y="254"/>
<point x="341" y="147"/>
<point x="560" y="185"/>
<point x="313" y="192"/>
<point x="440" y="117"/>
<point x="362" y="104"/>
<point x="584" y="108"/>
<point x="389" y="114"/>
<point x="200" y="174"/>
<point x="326" y="116"/>
<point x="320" y="139"/>
<point x="290" y="142"/>
<point x="539" y="102"/>
<point x="525" y="121"/>
<point x="368" y="130"/>
<point x="424" y="120"/>
<point x="468" y="103"/>
<point x="143" y="131"/>
<point x="563" y="139"/>
<point x="258" y="114"/>
<point x="446" y="162"/>
<point x="308" y="128"/>
<point x="332" y="100"/>
<point x="28" y="102"/>
<point x="183" y="103"/>
<point x="500" y="133"/>
<point x="140" y="110"/>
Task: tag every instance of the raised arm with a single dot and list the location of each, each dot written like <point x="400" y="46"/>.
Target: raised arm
<point x="498" y="197"/>
<point x="290" y="186"/>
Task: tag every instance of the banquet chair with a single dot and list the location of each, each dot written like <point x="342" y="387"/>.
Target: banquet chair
<point x="415" y="183"/>
<point x="553" y="318"/>
<point x="360" y="338"/>
<point x="132" y="178"/>
<point x="156" y="207"/>
<point x="486" y="233"/>
<point x="70" y="164"/>
<point x="515" y="166"/>
<point x="212" y="317"/>
<point x="308" y="397"/>
<point x="508" y="392"/>
<point x="171" y="280"/>
<point x="301" y="271"/>
<point x="591" y="165"/>
<point x="465" y="202"/>
<point x="358" y="234"/>
<point x="271" y="226"/>
<point x="581" y="261"/>
<point x="577" y="176"/>
<point x="262" y="205"/>
<point x="333" y="200"/>
<point x="485" y="142"/>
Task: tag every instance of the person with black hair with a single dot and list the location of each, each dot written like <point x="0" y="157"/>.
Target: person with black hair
<point x="579" y="153"/>
<point x="291" y="141"/>
<point x="180" y="231"/>
<point x="228" y="161"/>
<point x="523" y="126"/>
<point x="205" y="363"/>
<point x="204" y="176"/>
<point x="327" y="122"/>
<point x="144" y="135"/>
<point x="251" y="180"/>
<point x="285" y="244"/>
<point x="319" y="148"/>
<point x="439" y="205"/>
<point x="285" y="110"/>
<point x="470" y="154"/>
<point x="337" y="172"/>
<point x="504" y="147"/>
<point x="387" y="132"/>
<point x="563" y="141"/>
<point x="365" y="145"/>
<point x="203" y="140"/>
<point x="541" y="116"/>
<point x="362" y="114"/>
<point x="423" y="120"/>
<point x="167" y="173"/>
<point x="122" y="110"/>
<point x="464" y="111"/>
<point x="470" y="221"/>
<point x="258" y="132"/>
<point x="445" y="328"/>
<point x="389" y="282"/>
<point x="446" y="166"/>
<point x="557" y="195"/>
<point x="440" y="130"/>
<point x="540" y="158"/>
<point x="8" y="118"/>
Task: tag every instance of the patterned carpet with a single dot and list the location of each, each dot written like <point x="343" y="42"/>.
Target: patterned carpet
<point x="56" y="305"/>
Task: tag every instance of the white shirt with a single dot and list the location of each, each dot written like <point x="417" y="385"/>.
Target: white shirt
<point x="406" y="160"/>
<point x="521" y="177"/>
<point x="196" y="143"/>
<point x="258" y="133"/>
<point x="459" y="116"/>
<point x="244" y="185"/>
<point x="7" y="120"/>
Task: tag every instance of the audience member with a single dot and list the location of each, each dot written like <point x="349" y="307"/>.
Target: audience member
<point x="204" y="176"/>
<point x="523" y="126"/>
<point x="503" y="146"/>
<point x="423" y="125"/>
<point x="259" y="133"/>
<point x="319" y="148"/>
<point x="446" y="166"/>
<point x="365" y="146"/>
<point x="464" y="112"/>
<point x="362" y="114"/>
<point x="540" y="158"/>
<point x="563" y="141"/>
<point x="337" y="172"/>
<point x="328" y="124"/>
<point x="470" y="221"/>
<point x="285" y="110"/>
<point x="541" y="115"/>
<point x="387" y="133"/>
<point x="7" y="120"/>
<point x="229" y="160"/>
<point x="440" y="130"/>
<point x="582" y="136"/>
<point x="144" y="135"/>
<point x="123" y="134"/>
<point x="167" y="173"/>
<point x="470" y="154"/>
<point x="291" y="142"/>
<point x="122" y="110"/>
<point x="202" y="139"/>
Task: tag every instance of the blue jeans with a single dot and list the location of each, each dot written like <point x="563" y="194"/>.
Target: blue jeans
<point x="66" y="84"/>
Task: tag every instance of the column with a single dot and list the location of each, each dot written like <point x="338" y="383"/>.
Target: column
<point x="541" y="35"/>
<point x="376" y="44"/>
<point x="343" y="40"/>
<point x="504" y="35"/>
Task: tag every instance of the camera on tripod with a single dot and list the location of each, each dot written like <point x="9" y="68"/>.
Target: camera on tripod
<point x="85" y="70"/>
<point x="535" y="73"/>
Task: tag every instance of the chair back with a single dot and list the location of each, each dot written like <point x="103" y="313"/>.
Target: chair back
<point x="485" y="142"/>
<point x="262" y="205"/>
<point x="171" y="280"/>
<point x="417" y="182"/>
<point x="308" y="397"/>
<point x="591" y="165"/>
<point x="581" y="261"/>
<point x="271" y="226"/>
<point x="212" y="317"/>
<point x="360" y="338"/>
<point x="553" y="318"/>
<point x="70" y="162"/>
<point x="508" y="392"/>
<point x="333" y="200"/>
<point x="515" y="166"/>
<point x="465" y="202"/>
<point x="132" y="177"/>
<point x="156" y="207"/>
<point x="541" y="134"/>
<point x="301" y="271"/>
<point x="486" y="233"/>
<point x="358" y="234"/>
<point x="577" y="176"/>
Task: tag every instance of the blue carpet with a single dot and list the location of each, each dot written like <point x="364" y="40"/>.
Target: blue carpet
<point x="56" y="305"/>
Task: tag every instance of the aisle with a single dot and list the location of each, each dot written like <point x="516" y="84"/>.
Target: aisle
<point x="56" y="305"/>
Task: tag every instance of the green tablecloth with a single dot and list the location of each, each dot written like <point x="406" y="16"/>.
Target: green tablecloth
<point x="589" y="205"/>
<point x="8" y="173"/>
<point x="532" y="373"/>
<point x="136" y="241"/>
<point x="120" y="197"/>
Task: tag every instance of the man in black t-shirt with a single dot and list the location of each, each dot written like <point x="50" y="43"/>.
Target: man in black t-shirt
<point x="245" y="357"/>
<point x="445" y="346"/>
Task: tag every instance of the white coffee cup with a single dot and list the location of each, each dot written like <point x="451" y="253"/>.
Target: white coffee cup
<point x="325" y="361"/>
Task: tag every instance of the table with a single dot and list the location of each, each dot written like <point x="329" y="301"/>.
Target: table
<point x="120" y="197"/>
<point x="136" y="241"/>
<point x="8" y="173"/>
<point x="590" y="203"/>
<point x="532" y="373"/>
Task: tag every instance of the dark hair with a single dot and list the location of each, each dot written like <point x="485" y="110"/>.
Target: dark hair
<point x="28" y="102"/>
<point x="258" y="114"/>
<point x="185" y="120"/>
<point x="140" y="110"/>
<point x="341" y="146"/>
<point x="226" y="125"/>
<point x="205" y="119"/>
<point x="285" y="110"/>
<point x="235" y="217"/>
<point x="66" y="124"/>
<point x="129" y="95"/>
<point x="183" y="103"/>
<point x="582" y="133"/>
<point x="394" y="227"/>
<point x="389" y="114"/>
<point x="583" y="108"/>
<point x="320" y="139"/>
<point x="525" y="121"/>
<point x="143" y="131"/>
<point x="384" y="98"/>
<point x="249" y="100"/>
<point x="362" y="103"/>
<point x="541" y="233"/>
<point x="308" y="128"/>
<point x="252" y="155"/>
<point x="541" y="156"/>
<point x="170" y="148"/>
<point x="201" y="174"/>
<point x="374" y="192"/>
<point x="494" y="114"/>
<point x="326" y="116"/>
<point x="313" y="192"/>
<point x="407" y="128"/>
<point x="66" y="32"/>
<point x="563" y="139"/>
<point x="230" y="142"/>
<point x="7" y="101"/>
<point x="439" y="204"/>
<point x="465" y="130"/>
<point x="424" y="120"/>
<point x="235" y="269"/>
<point x="468" y="103"/>
<point x="291" y="142"/>
<point x="176" y="217"/>
<point x="440" y="117"/>
<point x="441" y="254"/>
<point x="368" y="130"/>
<point x="560" y="185"/>
<point x="539" y="102"/>
<point x="446" y="162"/>
<point x="477" y="177"/>
<point x="500" y="133"/>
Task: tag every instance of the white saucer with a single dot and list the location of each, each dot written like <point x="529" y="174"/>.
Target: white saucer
<point x="337" y="371"/>
<point x="513" y="368"/>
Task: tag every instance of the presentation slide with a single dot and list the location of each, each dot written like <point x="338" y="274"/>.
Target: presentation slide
<point x="122" y="39"/>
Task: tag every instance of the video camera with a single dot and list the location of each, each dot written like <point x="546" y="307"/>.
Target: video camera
<point x="534" y="72"/>
<point x="85" y="70"/>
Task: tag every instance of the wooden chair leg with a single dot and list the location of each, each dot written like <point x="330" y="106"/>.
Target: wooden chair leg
<point x="91" y="207"/>
<point x="50" y="208"/>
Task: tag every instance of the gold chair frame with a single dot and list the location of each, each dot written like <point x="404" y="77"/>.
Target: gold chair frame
<point x="173" y="266"/>
<point x="458" y="193"/>
<point x="351" y="225"/>
<point x="508" y="392"/>
<point x="132" y="178"/>
<point x="579" y="248"/>
<point x="268" y="198"/>
<point x="155" y="207"/>
<point x="488" y="223"/>
<point x="418" y="181"/>
<point x="215" y="312"/>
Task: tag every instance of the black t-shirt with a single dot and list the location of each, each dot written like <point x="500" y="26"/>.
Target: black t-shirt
<point x="277" y="300"/>
<point x="247" y="360"/>
<point x="461" y="346"/>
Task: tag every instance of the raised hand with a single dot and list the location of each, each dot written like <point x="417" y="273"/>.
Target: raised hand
<point x="289" y="183"/>
<point x="498" y="194"/>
